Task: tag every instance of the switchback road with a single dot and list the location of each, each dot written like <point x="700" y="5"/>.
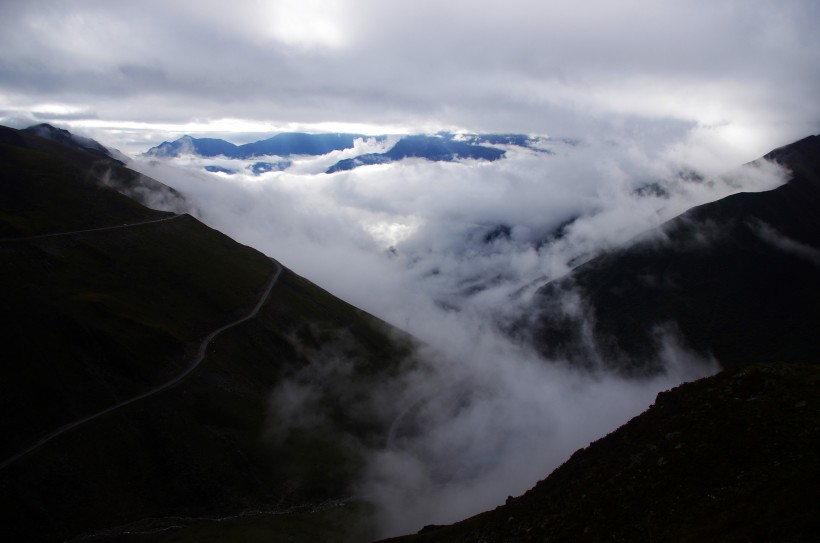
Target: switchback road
<point x="200" y="356"/>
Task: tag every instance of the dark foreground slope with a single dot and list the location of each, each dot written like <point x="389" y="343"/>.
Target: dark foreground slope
<point x="46" y="186"/>
<point x="738" y="278"/>
<point x="734" y="457"/>
<point x="98" y="316"/>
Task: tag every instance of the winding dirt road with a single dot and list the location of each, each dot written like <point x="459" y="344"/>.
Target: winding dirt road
<point x="200" y="355"/>
<point x="88" y="230"/>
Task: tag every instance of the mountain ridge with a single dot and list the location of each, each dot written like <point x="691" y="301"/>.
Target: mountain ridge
<point x="117" y="303"/>
<point x="60" y="135"/>
<point x="442" y="146"/>
<point x="733" y="457"/>
<point x="283" y="144"/>
<point x="699" y="276"/>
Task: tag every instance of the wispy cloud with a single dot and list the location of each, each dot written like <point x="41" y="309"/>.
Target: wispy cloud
<point x="786" y="244"/>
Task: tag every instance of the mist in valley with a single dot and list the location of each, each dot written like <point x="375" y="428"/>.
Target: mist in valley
<point x="452" y="253"/>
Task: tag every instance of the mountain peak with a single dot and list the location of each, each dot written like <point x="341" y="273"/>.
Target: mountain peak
<point x="189" y="145"/>
<point x="63" y="136"/>
<point x="45" y="129"/>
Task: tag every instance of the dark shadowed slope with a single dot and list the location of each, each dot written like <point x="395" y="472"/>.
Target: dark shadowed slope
<point x="196" y="360"/>
<point x="734" y="457"/>
<point x="66" y="138"/>
<point x="49" y="187"/>
<point x="96" y="317"/>
<point x="738" y="278"/>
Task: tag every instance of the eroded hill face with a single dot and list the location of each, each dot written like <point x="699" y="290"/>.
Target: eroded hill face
<point x="734" y="457"/>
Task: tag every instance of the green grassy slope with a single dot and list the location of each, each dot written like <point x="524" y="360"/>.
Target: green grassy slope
<point x="734" y="457"/>
<point x="95" y="318"/>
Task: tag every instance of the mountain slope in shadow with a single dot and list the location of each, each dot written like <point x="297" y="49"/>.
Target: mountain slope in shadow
<point x="736" y="279"/>
<point x="733" y="457"/>
<point x="120" y="306"/>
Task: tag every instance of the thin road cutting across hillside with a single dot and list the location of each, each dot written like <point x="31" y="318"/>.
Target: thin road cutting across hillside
<point x="200" y="355"/>
<point x="89" y="230"/>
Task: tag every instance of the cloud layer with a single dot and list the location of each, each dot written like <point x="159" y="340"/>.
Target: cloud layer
<point x="465" y="235"/>
<point x="742" y="73"/>
<point x="450" y="252"/>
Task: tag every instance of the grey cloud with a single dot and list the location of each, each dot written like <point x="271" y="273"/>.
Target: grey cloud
<point x="84" y="115"/>
<point x="440" y="218"/>
<point x="495" y="425"/>
<point x="527" y="66"/>
<point x="786" y="244"/>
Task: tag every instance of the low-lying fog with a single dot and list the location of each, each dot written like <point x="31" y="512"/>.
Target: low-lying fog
<point x="449" y="252"/>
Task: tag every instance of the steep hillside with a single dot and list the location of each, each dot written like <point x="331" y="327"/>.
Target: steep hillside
<point x="734" y="457"/>
<point x="736" y="279"/>
<point x="64" y="137"/>
<point x="46" y="186"/>
<point x="107" y="301"/>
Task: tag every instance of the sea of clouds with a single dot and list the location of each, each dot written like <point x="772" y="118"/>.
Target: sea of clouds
<point x="451" y="252"/>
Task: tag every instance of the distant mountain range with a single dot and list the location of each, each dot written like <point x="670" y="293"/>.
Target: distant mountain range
<point x="282" y="145"/>
<point x="440" y="147"/>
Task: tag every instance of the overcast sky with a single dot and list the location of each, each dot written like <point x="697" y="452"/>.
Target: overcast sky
<point x="741" y="74"/>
